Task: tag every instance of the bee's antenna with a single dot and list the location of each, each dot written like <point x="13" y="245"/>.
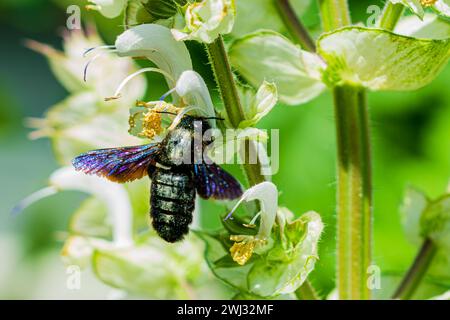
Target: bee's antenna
<point x="167" y="112"/>
<point x="133" y="75"/>
<point x="98" y="55"/>
<point x="214" y="118"/>
<point x="96" y="48"/>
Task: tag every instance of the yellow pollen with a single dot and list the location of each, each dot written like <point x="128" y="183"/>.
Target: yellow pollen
<point x="242" y="249"/>
<point x="428" y="3"/>
<point x="152" y="120"/>
<point x="152" y="124"/>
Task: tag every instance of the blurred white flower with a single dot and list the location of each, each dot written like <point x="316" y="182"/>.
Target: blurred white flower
<point x="108" y="8"/>
<point x="114" y="196"/>
<point x="103" y="76"/>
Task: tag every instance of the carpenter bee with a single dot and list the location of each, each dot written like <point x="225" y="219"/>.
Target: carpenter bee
<point x="174" y="182"/>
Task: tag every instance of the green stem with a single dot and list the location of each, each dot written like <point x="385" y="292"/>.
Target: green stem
<point x="354" y="192"/>
<point x="417" y="271"/>
<point x="228" y="90"/>
<point x="307" y="292"/>
<point x="225" y="81"/>
<point x="354" y="177"/>
<point x="295" y="27"/>
<point x="230" y="97"/>
<point x="334" y="14"/>
<point x="391" y="15"/>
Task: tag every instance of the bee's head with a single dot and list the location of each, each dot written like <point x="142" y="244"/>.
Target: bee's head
<point x="189" y="121"/>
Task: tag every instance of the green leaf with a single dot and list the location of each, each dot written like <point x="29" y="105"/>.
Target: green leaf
<point x="269" y="56"/>
<point x="381" y="60"/>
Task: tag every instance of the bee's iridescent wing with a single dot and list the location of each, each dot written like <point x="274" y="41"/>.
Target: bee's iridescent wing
<point x="118" y="164"/>
<point x="212" y="181"/>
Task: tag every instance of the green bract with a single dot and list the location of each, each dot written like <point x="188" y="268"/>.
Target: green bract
<point x="414" y="203"/>
<point x="206" y="20"/>
<point x="258" y="105"/>
<point x="417" y="6"/>
<point x="381" y="60"/>
<point x="423" y="218"/>
<point x="269" y="56"/>
<point x="280" y="269"/>
<point x="435" y="222"/>
<point x="431" y="27"/>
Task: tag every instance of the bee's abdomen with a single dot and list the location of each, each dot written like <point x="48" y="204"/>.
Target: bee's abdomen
<point x="172" y="203"/>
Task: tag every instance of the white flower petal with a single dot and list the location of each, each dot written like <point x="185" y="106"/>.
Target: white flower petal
<point x="157" y="44"/>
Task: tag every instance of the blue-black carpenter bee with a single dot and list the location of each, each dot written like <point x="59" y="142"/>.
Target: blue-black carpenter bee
<point x="174" y="183"/>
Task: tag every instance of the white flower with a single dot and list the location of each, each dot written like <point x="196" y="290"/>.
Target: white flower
<point x="104" y="76"/>
<point x="267" y="194"/>
<point x="206" y="20"/>
<point x="114" y="196"/>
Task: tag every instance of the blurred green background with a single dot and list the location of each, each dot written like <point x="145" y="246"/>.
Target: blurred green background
<point x="411" y="146"/>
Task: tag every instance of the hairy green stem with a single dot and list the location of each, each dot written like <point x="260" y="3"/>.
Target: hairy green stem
<point x="298" y="31"/>
<point x="334" y="14"/>
<point x="391" y="15"/>
<point x="228" y="90"/>
<point x="307" y="292"/>
<point x="354" y="177"/>
<point x="295" y="27"/>
<point x="225" y="81"/>
<point x="230" y="97"/>
<point x="354" y="192"/>
<point x="417" y="271"/>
